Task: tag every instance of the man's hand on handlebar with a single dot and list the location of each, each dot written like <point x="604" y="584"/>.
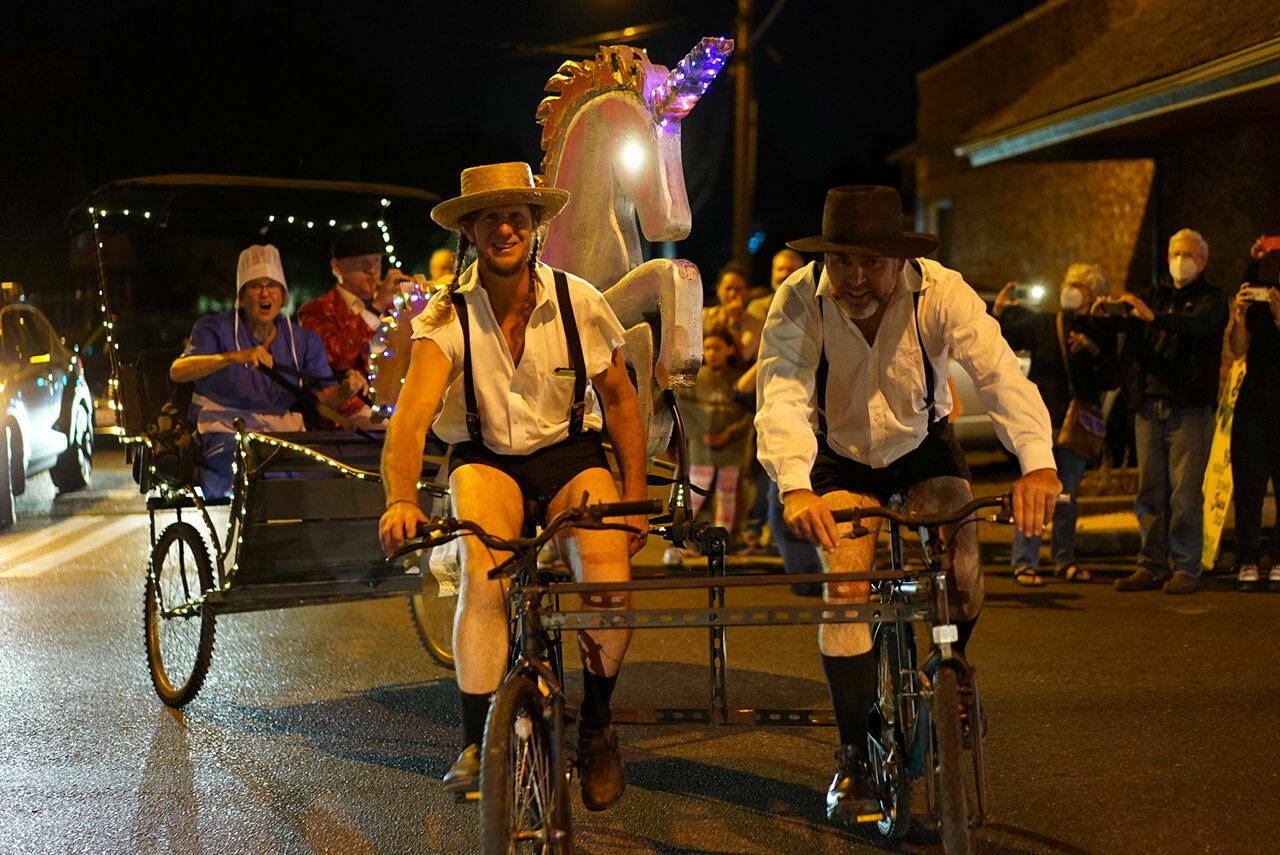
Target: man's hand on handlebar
<point x="1034" y="496"/>
<point x="808" y="517"/>
<point x="399" y="523"/>
<point x="636" y="539"/>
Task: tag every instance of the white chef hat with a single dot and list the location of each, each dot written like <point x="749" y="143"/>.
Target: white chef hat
<point x="260" y="261"/>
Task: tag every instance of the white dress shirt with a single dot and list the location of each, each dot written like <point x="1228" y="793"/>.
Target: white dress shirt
<point x="357" y="307"/>
<point x="876" y="392"/>
<point x="523" y="407"/>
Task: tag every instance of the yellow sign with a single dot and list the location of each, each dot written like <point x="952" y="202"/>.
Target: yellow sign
<point x="1217" y="475"/>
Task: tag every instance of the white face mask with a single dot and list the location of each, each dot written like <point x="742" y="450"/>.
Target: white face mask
<point x="1182" y="269"/>
<point x="1071" y="298"/>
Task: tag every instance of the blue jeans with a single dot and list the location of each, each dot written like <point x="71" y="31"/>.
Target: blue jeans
<point x="798" y="556"/>
<point x="1173" y="450"/>
<point x="1026" y="550"/>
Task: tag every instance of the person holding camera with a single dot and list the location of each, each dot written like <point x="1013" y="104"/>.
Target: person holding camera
<point x="1173" y="345"/>
<point x="1255" y="456"/>
<point x="1073" y="361"/>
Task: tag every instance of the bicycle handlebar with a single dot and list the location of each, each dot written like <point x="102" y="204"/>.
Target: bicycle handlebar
<point x="915" y="520"/>
<point x="437" y="531"/>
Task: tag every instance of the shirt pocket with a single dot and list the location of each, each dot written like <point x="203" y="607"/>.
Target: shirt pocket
<point x="555" y="397"/>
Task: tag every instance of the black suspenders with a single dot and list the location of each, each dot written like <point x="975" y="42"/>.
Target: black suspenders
<point x="824" y="367"/>
<point x="579" y="406"/>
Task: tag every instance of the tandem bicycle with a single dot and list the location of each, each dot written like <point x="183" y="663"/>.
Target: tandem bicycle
<point x="925" y="721"/>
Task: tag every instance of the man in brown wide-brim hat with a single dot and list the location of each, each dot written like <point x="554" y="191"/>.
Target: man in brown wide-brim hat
<point x="853" y="404"/>
<point x="517" y="366"/>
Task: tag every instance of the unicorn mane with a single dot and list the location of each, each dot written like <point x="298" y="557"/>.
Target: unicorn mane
<point x="616" y="67"/>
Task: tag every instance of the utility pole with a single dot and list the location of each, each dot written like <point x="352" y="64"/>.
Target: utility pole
<point x="744" y="134"/>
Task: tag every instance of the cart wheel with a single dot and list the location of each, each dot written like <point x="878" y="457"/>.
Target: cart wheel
<point x="432" y="615"/>
<point x="949" y="769"/>
<point x="524" y="799"/>
<point x="179" y="630"/>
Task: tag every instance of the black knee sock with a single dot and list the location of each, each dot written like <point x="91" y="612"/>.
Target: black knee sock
<point x="596" y="691"/>
<point x="851" y="680"/>
<point x="475" y="707"/>
<point x="964" y="628"/>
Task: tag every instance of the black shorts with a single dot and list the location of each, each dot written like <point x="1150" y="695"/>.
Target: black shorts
<point x="938" y="456"/>
<point x="543" y="473"/>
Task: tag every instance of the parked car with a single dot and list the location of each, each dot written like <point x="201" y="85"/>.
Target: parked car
<point x="973" y="427"/>
<point x="48" y="413"/>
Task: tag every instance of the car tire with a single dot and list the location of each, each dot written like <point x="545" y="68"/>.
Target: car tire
<point x="7" y="514"/>
<point x="75" y="465"/>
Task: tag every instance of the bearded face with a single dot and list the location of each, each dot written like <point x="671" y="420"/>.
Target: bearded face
<point x="503" y="238"/>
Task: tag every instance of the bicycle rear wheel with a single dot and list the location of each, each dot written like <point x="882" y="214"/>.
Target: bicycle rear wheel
<point x="949" y="767"/>
<point x="524" y="801"/>
<point x="889" y="737"/>
<point x="178" y="628"/>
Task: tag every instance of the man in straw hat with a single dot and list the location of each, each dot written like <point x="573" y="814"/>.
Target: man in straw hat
<point x="527" y="360"/>
<point x="859" y="343"/>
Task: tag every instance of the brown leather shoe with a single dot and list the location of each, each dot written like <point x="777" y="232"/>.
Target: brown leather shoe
<point x="600" y="769"/>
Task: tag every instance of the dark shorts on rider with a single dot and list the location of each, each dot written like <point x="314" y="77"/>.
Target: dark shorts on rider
<point x="939" y="455"/>
<point x="543" y="473"/>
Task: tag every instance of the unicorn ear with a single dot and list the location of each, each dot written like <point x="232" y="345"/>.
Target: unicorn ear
<point x="674" y="98"/>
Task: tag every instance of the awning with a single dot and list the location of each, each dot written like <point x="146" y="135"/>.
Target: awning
<point x="1228" y="77"/>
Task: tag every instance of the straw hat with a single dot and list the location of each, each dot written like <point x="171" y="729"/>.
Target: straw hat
<point x="864" y="218"/>
<point x="499" y="184"/>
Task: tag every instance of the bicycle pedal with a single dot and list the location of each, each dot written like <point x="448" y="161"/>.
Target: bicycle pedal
<point x="463" y="796"/>
<point x="869" y="817"/>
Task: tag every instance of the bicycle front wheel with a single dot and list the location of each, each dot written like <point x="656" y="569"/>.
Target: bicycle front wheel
<point x="524" y="802"/>
<point x="889" y="737"/>
<point x="179" y="629"/>
<point x="432" y="614"/>
<point x="949" y="768"/>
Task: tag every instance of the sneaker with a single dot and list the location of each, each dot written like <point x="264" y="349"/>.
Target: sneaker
<point x="852" y="798"/>
<point x="1181" y="583"/>
<point x="600" y="770"/>
<point x="672" y="557"/>
<point x="1247" y="578"/>
<point x="1141" y="579"/>
<point x="463" y="777"/>
<point x="1273" y="580"/>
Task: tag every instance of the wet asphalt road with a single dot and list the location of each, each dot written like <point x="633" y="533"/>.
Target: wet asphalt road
<point x="1118" y="723"/>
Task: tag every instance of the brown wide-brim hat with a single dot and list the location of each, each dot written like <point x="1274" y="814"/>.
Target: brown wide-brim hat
<point x="499" y="184"/>
<point x="864" y="218"/>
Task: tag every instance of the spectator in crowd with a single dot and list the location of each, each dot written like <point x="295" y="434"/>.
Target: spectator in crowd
<point x="717" y="426"/>
<point x="223" y="353"/>
<point x="785" y="262"/>
<point x="1255" y="453"/>
<point x="1072" y="356"/>
<point x="440" y="268"/>
<point x="1173" y="346"/>
<point x="730" y="313"/>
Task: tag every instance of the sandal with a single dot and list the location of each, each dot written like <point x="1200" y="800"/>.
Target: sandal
<point x="1028" y="577"/>
<point x="1075" y="573"/>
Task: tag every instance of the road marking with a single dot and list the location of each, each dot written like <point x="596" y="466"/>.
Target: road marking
<point x="87" y="542"/>
<point x="14" y="546"/>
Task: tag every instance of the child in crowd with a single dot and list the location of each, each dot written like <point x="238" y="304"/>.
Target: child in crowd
<point x="717" y="428"/>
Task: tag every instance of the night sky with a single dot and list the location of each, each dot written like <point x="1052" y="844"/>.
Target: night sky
<point x="412" y="92"/>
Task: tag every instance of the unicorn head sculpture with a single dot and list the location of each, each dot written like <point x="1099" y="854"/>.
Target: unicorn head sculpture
<point x="611" y="134"/>
<point x="611" y="137"/>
